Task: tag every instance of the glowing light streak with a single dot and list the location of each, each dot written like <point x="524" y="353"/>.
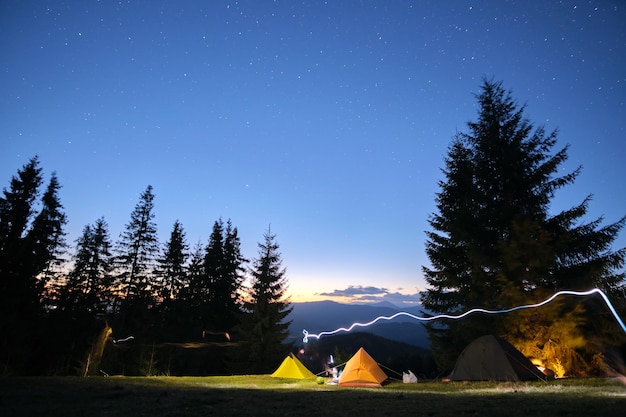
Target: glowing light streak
<point x="126" y="339"/>
<point x="307" y="335"/>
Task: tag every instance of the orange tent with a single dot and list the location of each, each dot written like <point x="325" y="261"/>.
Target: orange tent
<point x="362" y="371"/>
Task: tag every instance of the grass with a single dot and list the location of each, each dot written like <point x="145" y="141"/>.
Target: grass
<point x="261" y="395"/>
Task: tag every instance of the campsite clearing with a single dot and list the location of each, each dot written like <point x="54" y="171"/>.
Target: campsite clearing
<point x="262" y="395"/>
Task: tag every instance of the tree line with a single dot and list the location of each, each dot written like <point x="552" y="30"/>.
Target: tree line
<point x="136" y="307"/>
<point x="133" y="306"/>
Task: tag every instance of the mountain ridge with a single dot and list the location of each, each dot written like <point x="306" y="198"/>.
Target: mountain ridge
<point x="325" y="316"/>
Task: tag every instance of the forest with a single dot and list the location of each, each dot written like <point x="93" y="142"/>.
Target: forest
<point x="135" y="306"/>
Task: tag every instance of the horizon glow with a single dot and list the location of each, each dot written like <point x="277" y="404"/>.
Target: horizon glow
<point x="308" y="335"/>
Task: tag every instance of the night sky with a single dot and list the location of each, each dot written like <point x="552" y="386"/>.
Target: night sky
<point x="328" y="120"/>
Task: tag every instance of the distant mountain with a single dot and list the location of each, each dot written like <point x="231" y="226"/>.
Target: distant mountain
<point x="320" y="316"/>
<point x="380" y="304"/>
<point x="394" y="357"/>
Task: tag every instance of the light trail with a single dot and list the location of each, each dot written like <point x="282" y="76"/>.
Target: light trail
<point x="308" y="335"/>
<point x="126" y="339"/>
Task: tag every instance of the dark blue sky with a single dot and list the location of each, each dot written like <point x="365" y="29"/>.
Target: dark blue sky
<point x="328" y="120"/>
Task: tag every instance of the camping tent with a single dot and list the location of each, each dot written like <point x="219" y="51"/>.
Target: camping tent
<point x="292" y="368"/>
<point x="362" y="371"/>
<point x="490" y="358"/>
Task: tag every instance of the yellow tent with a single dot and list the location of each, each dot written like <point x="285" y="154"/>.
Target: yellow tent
<point x="362" y="371"/>
<point x="292" y="368"/>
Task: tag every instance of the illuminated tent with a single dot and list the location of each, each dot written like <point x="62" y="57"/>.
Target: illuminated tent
<point x="362" y="371"/>
<point x="292" y="368"/>
<point x="490" y="358"/>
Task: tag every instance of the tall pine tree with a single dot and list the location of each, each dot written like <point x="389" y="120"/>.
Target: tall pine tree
<point x="195" y="291"/>
<point x="82" y="306"/>
<point x="87" y="291"/>
<point x="173" y="278"/>
<point x="46" y="238"/>
<point x="234" y="267"/>
<point x="172" y="264"/>
<point x="18" y="286"/>
<point x="264" y="327"/>
<point x="31" y="241"/>
<point x="494" y="243"/>
<point x="137" y="251"/>
<point x="223" y="266"/>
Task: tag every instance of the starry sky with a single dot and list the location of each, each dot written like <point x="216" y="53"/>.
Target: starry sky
<point x="327" y="121"/>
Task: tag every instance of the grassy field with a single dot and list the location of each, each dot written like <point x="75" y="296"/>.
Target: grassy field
<point x="260" y="395"/>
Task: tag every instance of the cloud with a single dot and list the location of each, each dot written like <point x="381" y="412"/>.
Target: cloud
<point x="403" y="300"/>
<point x="364" y="295"/>
<point x="355" y="290"/>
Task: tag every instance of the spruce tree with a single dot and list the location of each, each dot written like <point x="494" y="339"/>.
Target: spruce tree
<point x="494" y="243"/>
<point x="31" y="244"/>
<point x="211" y="309"/>
<point x="263" y="328"/>
<point x="46" y="237"/>
<point x="173" y="280"/>
<point x="172" y="264"/>
<point x="82" y="307"/>
<point x="137" y="251"/>
<point x="192" y="296"/>
<point x="87" y="291"/>
<point x="234" y="261"/>
<point x="18" y="286"/>
<point x="223" y="266"/>
<point x="195" y="291"/>
<point x="214" y="259"/>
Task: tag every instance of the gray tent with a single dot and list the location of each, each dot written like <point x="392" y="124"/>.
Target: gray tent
<point x="490" y="358"/>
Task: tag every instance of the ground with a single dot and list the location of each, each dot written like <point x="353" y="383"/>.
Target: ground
<point x="261" y="395"/>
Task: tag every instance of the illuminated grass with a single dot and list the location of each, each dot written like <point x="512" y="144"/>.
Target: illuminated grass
<point x="260" y="395"/>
